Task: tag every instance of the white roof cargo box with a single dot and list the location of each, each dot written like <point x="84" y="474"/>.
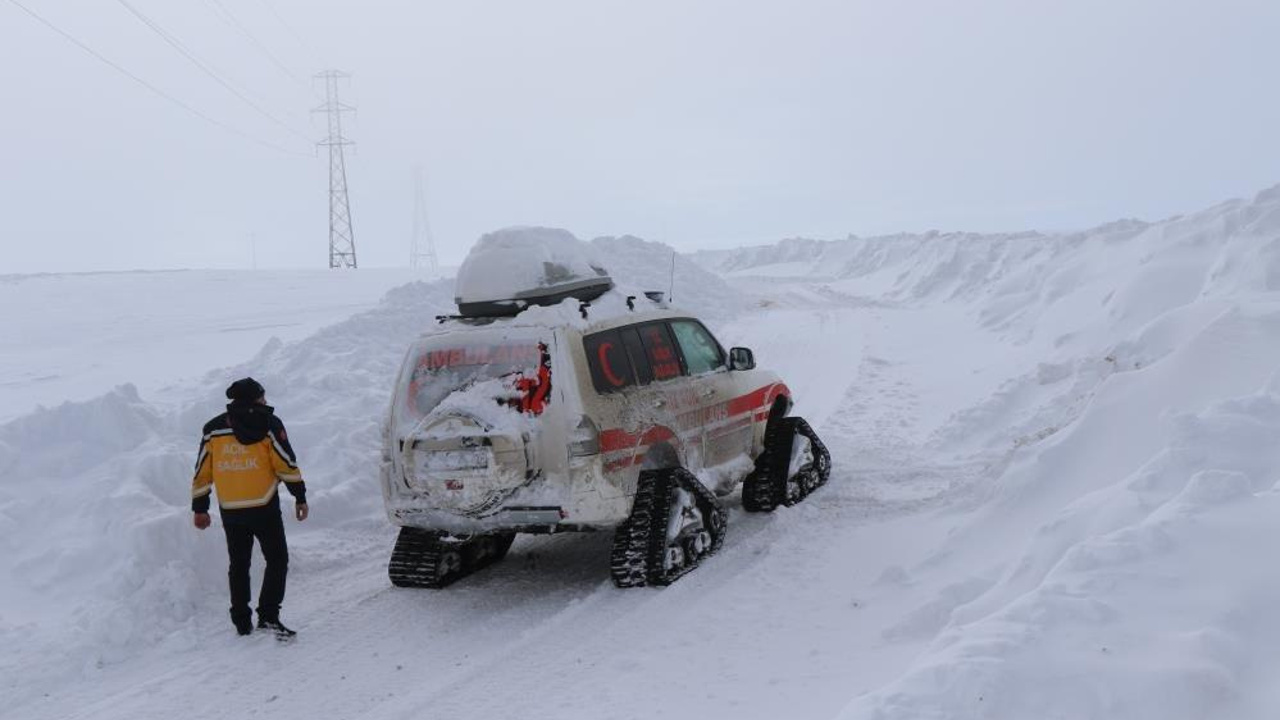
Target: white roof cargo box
<point x="511" y="269"/>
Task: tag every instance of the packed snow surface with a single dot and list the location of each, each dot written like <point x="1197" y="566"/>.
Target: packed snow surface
<point x="1055" y="491"/>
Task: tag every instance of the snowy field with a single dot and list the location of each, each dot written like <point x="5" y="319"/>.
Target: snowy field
<point x="1056" y="484"/>
<point x="70" y="336"/>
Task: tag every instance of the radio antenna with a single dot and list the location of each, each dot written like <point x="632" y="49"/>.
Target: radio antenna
<point x="671" y="287"/>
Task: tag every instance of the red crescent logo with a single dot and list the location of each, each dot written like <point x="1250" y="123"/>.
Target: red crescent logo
<point x="603" y="353"/>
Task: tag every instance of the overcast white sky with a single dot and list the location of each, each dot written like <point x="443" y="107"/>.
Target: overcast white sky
<point x="702" y="124"/>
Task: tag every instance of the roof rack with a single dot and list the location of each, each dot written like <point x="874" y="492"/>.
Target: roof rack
<point x="470" y="319"/>
<point x="483" y="313"/>
<point x="581" y="290"/>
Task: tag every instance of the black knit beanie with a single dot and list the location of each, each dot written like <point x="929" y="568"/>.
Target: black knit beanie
<point x="245" y="390"/>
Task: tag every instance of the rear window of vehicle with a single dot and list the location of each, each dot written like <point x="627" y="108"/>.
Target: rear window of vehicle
<point x="609" y="361"/>
<point x="436" y="367"/>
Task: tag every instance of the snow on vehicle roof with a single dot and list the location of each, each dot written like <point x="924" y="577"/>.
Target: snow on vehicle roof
<point x="515" y="267"/>
<point x="538" y="276"/>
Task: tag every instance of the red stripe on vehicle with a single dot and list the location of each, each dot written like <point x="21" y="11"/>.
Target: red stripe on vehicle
<point x="619" y="464"/>
<point x="755" y="405"/>
<point x="617" y="439"/>
<point x="750" y="401"/>
<point x="730" y="427"/>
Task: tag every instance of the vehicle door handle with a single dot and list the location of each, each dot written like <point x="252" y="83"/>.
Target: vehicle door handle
<point x="708" y="392"/>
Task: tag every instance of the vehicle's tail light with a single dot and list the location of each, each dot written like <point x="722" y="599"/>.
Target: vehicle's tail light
<point x="585" y="439"/>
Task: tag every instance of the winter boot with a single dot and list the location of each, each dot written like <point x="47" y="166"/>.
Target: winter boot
<point x="274" y="625"/>
<point x="243" y="622"/>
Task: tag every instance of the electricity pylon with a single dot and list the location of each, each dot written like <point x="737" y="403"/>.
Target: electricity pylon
<point x="422" y="251"/>
<point x="342" y="241"/>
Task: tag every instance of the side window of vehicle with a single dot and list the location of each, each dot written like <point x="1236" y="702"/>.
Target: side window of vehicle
<point x="609" y="361"/>
<point x="636" y="351"/>
<point x="701" y="351"/>
<point x="660" y="351"/>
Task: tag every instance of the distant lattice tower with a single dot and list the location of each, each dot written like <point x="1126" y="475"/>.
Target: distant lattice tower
<point x="342" y="241"/>
<point x="422" y="251"/>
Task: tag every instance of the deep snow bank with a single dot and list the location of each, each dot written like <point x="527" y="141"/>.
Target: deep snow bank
<point x="1115" y="565"/>
<point x="1114" y="561"/>
<point x="95" y="497"/>
<point x="1231" y="246"/>
<point x="1088" y="590"/>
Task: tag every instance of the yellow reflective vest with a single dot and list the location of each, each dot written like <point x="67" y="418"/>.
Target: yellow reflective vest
<point x="244" y="476"/>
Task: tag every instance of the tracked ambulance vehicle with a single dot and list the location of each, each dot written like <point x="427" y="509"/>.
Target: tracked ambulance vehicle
<point x="555" y="402"/>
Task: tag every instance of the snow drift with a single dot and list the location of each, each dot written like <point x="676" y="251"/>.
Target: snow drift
<point x="1107" y="563"/>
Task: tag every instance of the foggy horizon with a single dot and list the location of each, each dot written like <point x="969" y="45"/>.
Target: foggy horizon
<point x="703" y="127"/>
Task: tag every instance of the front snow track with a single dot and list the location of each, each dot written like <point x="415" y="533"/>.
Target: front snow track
<point x="675" y="523"/>
<point x="775" y="481"/>
<point x="424" y="559"/>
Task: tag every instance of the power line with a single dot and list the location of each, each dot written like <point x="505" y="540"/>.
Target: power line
<point x="157" y="91"/>
<point x="230" y="18"/>
<point x="285" y="24"/>
<point x="177" y="45"/>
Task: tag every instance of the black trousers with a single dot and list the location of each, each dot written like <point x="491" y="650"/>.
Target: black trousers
<point x="242" y="527"/>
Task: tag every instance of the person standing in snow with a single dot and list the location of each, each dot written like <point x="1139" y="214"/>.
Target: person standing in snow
<point x="244" y="455"/>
